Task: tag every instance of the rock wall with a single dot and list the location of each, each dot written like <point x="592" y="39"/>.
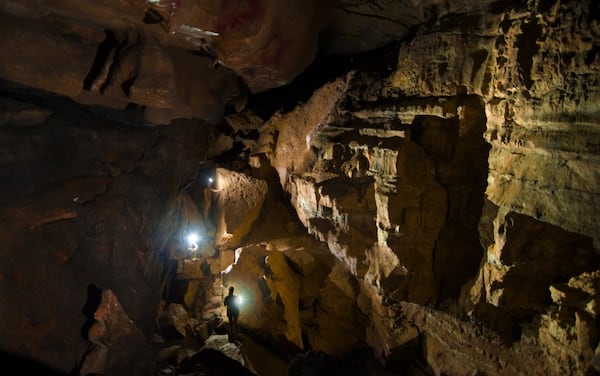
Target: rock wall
<point x="455" y="172"/>
<point x="441" y="207"/>
<point x="84" y="209"/>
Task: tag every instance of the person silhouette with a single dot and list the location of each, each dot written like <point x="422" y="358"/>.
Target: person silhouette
<point x="232" y="302"/>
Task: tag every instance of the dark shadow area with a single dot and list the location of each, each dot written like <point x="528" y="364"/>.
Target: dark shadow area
<point x="175" y="289"/>
<point x="131" y="115"/>
<point x="460" y="155"/>
<point x="527" y="44"/>
<point x="409" y="359"/>
<point x="531" y="251"/>
<point x="324" y="68"/>
<point x="23" y="366"/>
<point x="359" y="362"/>
<point x="213" y="362"/>
<point x="94" y="296"/>
<point x="109" y="43"/>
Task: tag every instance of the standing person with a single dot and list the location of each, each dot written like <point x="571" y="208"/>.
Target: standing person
<point x="232" y="302"/>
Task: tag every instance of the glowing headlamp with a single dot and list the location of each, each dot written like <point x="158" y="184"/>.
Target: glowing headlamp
<point x="192" y="239"/>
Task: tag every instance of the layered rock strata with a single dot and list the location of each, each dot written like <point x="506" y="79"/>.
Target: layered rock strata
<point x="454" y="160"/>
<point x="442" y="207"/>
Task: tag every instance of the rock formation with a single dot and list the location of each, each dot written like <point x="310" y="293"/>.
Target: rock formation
<point x="393" y="187"/>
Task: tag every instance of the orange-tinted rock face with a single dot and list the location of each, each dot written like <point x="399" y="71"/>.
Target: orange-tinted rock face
<point x="438" y="206"/>
<point x="177" y="59"/>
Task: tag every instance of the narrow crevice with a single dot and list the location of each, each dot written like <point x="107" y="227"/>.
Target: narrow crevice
<point x="103" y="53"/>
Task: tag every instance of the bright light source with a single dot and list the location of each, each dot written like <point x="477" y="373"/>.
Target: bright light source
<point x="240" y="300"/>
<point x="192" y="239"/>
<point x="211" y="180"/>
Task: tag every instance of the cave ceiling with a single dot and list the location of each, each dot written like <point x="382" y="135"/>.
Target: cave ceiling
<point x="192" y="59"/>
